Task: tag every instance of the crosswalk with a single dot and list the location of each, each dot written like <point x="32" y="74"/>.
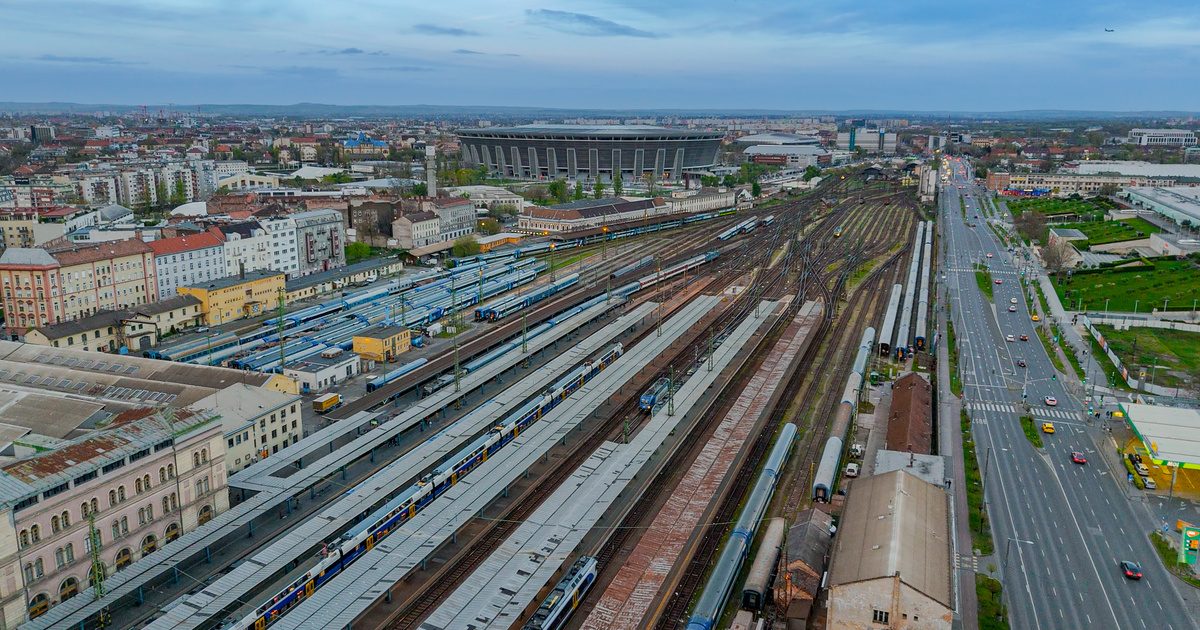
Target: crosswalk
<point x="1041" y="412"/>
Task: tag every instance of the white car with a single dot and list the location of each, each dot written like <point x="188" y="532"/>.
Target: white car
<point x="851" y="470"/>
<point x="1010" y="338"/>
<point x="1012" y="308"/>
<point x="989" y="254"/>
<point x="1051" y="401"/>
<point x="1012" y="300"/>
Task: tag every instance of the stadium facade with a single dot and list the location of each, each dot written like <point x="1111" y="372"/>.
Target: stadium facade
<point x="590" y="152"/>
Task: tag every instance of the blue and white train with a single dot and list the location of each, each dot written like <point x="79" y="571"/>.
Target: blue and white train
<point x="373" y="528"/>
<point x="556" y="609"/>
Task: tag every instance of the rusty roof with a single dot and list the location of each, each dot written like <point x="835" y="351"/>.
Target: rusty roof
<point x="75" y="254"/>
<point x="910" y="423"/>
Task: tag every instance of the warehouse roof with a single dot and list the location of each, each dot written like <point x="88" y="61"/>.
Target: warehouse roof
<point x="381" y="332"/>
<point x="895" y="524"/>
<point x="910" y="423"/>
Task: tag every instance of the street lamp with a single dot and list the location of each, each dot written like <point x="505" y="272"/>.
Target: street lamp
<point x="1106" y="300"/>
<point x="1007" y="549"/>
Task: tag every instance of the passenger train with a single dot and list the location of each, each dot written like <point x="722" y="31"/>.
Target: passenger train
<point x="565" y="598"/>
<point x="363" y="537"/>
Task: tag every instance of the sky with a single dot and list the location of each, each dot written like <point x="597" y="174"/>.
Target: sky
<point x="961" y="55"/>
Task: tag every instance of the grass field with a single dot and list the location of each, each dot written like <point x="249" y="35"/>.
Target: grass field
<point x="1055" y="207"/>
<point x="990" y="594"/>
<point x="1033" y="431"/>
<point x="981" y="530"/>
<point x="1175" y="280"/>
<point x="984" y="279"/>
<point x="955" y="380"/>
<point x="1175" y="352"/>
<point x="1104" y="232"/>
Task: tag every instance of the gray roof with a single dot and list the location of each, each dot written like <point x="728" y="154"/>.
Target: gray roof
<point x="808" y="540"/>
<point x="1068" y="233"/>
<point x="591" y="131"/>
<point x="27" y="256"/>
<point x="233" y="281"/>
<point x="895" y="524"/>
<point x="103" y="319"/>
<point x="240" y="404"/>
<point x="112" y="212"/>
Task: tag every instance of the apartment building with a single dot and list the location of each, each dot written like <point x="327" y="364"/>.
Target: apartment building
<point x="281" y="235"/>
<point x="1162" y="137"/>
<point x="186" y="260"/>
<point x="255" y="422"/>
<point x="456" y="216"/>
<point x="416" y="229"/>
<point x="48" y="287"/>
<point x="145" y="481"/>
<point x="320" y="241"/>
<point x="247" y="246"/>
<point x="135" y="329"/>
<point x="32" y="227"/>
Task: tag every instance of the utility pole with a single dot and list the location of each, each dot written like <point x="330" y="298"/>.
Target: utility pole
<point x="454" y="320"/>
<point x="552" y="262"/>
<point x="710" y="350"/>
<point x="97" y="573"/>
<point x="671" y="391"/>
<point x="658" y="283"/>
<point x="279" y="330"/>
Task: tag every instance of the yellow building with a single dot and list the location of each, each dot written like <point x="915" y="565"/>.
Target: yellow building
<point x="229" y="299"/>
<point x="382" y="343"/>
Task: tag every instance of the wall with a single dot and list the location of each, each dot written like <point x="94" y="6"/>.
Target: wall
<point x="851" y="607"/>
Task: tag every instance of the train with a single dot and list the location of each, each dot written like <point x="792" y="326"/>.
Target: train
<point x="655" y="395"/>
<point x="556" y="609"/>
<point x="744" y="227"/>
<point x="838" y="232"/>
<point x="889" y="320"/>
<point x="665" y="274"/>
<point x="376" y="526"/>
<point x="923" y="295"/>
<point x="375" y="382"/>
<point x="645" y="261"/>
<point x="708" y="608"/>
<point x="831" y="456"/>
<point x="495" y="311"/>
<point x="757" y="589"/>
<point x="903" y="348"/>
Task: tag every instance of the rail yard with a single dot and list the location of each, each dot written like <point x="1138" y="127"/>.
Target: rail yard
<point x="607" y="448"/>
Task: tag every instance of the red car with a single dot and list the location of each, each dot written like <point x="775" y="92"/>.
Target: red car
<point x="1078" y="457"/>
<point x="1024" y="337"/>
<point x="999" y="281"/>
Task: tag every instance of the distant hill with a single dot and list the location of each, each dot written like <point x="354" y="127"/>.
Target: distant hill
<point x="433" y="112"/>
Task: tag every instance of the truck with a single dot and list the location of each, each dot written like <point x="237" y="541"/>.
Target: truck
<point x="325" y="402"/>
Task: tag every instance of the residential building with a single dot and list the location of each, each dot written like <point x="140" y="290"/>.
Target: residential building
<point x="41" y="133"/>
<point x="320" y="372"/>
<point x="1162" y="137"/>
<point x="100" y="188"/>
<point x="44" y="287"/>
<point x="416" y="229"/>
<point x="134" y="329"/>
<point x="1064" y="184"/>
<point x="238" y="296"/>
<point x="364" y="145"/>
<point x="281" y="234"/>
<point x="588" y="213"/>
<point x="892" y="557"/>
<point x="225" y="168"/>
<point x="186" y="260"/>
<point x="456" y="217"/>
<point x="382" y="343"/>
<point x="145" y="480"/>
<point x="487" y="197"/>
<point x="255" y="422"/>
<point x="320" y="241"/>
<point x="247" y="247"/>
<point x="873" y="141"/>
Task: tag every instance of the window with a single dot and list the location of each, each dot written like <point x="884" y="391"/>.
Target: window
<point x="112" y="497"/>
<point x="83" y="509"/>
<point x="124" y="524"/>
<point x="170" y="471"/>
<point x="95" y="505"/>
<point x="121" y="493"/>
<point x="70" y="552"/>
<point x="196" y="459"/>
<point x="24" y="538"/>
<point x="204" y="455"/>
<point x="35" y="533"/>
<point x="166" y="506"/>
<point x="137" y="486"/>
<point x="141" y="516"/>
<point x="28" y="571"/>
<point x="116" y="529"/>
<point x="38" y="569"/>
<point x="879" y="616"/>
<point x="60" y="558"/>
<point x="174" y="502"/>
<point x="162" y="475"/>
<point x="54" y="525"/>
<point x="66" y="519"/>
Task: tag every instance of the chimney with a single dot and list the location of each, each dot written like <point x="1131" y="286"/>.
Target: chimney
<point x="430" y="171"/>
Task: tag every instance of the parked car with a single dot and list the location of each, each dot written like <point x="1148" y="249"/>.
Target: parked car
<point x="852" y="470"/>
<point x="1148" y="483"/>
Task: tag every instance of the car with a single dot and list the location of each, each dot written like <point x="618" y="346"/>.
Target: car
<point x="1012" y="308"/>
<point x="1020" y="362"/>
<point x="1024" y="337"/>
<point x="1050" y="401"/>
<point x="989" y="254"/>
<point x="1132" y="570"/>
<point x="1009" y="338"/>
<point x="1078" y="457"/>
<point x="1012" y="300"/>
<point x="1048" y="427"/>
<point x="1035" y="317"/>
<point x="851" y="470"/>
<point x="999" y="281"/>
<point x="1148" y="483"/>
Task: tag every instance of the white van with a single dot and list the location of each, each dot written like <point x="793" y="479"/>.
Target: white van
<point x="851" y="470"/>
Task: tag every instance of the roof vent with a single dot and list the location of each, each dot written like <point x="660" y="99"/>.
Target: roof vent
<point x="875" y="547"/>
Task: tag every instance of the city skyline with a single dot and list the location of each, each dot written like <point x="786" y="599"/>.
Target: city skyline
<point x="622" y="54"/>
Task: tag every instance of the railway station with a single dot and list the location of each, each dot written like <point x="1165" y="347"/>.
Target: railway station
<point x="603" y="432"/>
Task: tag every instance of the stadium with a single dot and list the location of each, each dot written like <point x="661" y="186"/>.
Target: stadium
<point x="589" y="152"/>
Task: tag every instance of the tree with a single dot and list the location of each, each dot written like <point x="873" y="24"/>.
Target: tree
<point x="649" y="177"/>
<point x="811" y="171"/>
<point x="578" y="191"/>
<point x="598" y="189"/>
<point x="337" y="178"/>
<point x="356" y="252"/>
<point x="179" y="195"/>
<point x="501" y="210"/>
<point x="729" y="181"/>
<point x="465" y="246"/>
<point x="618" y="187"/>
<point x="1056" y="255"/>
<point x="419" y="189"/>
<point x="756" y="189"/>
<point x="1109" y="189"/>
<point x="558" y="190"/>
<point x="489" y="226"/>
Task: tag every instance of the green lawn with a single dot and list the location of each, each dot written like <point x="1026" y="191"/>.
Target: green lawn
<point x="1032" y="430"/>
<point x="981" y="531"/>
<point x="1055" y="207"/>
<point x="991" y="606"/>
<point x="955" y="381"/>
<point x="1170" y="557"/>
<point x="1175" y="280"/>
<point x="1104" y="232"/>
<point x="984" y="279"/>
<point x="1175" y="352"/>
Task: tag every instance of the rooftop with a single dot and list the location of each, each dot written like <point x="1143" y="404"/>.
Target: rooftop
<point x="31" y="256"/>
<point x="76" y="254"/>
<point x="930" y="468"/>
<point x="103" y="319"/>
<point x="598" y="131"/>
<point x="1171" y="434"/>
<point x="179" y="244"/>
<point x="1134" y="167"/>
<point x="910" y="423"/>
<point x="233" y="281"/>
<point x="241" y="404"/>
<point x="381" y="332"/>
<point x="895" y="524"/>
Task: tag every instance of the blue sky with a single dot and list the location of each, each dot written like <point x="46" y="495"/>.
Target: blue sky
<point x="834" y="54"/>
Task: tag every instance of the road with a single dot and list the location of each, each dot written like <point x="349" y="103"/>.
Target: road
<point x="1060" y="528"/>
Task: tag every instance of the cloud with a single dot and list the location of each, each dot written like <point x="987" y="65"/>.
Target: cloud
<point x="350" y="51"/>
<point x="583" y="24"/>
<point x="401" y="69"/>
<point x="467" y="51"/>
<point x="450" y="31"/>
<point x="107" y="61"/>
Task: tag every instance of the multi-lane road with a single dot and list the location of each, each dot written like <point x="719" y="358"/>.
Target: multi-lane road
<point x="1060" y="528"/>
